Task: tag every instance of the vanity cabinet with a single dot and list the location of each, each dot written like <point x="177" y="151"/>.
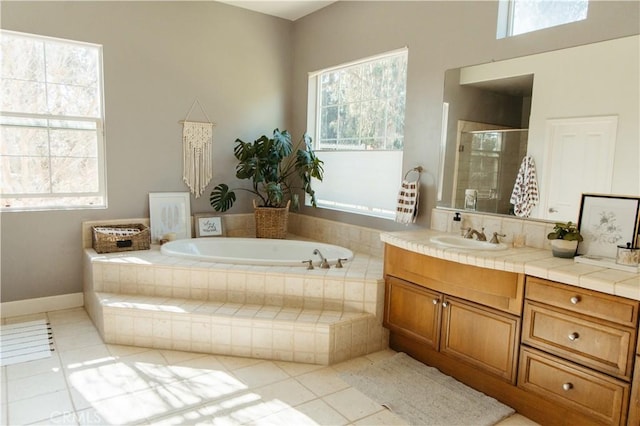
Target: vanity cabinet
<point x="447" y="310"/>
<point x="634" y="403"/>
<point x="578" y="348"/>
<point x="558" y="354"/>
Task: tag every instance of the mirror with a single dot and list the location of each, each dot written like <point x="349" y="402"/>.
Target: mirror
<point x="496" y="113"/>
<point x="486" y="166"/>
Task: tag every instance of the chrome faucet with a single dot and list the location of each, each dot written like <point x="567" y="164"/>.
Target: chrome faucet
<point x="479" y="235"/>
<point x="495" y="239"/>
<point x="324" y="264"/>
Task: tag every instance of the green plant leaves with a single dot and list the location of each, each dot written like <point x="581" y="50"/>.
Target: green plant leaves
<point x="222" y="198"/>
<point x="274" y="172"/>
<point x="275" y="194"/>
<point x="565" y="231"/>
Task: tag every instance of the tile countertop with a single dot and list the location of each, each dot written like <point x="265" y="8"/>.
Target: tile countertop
<point x="527" y="260"/>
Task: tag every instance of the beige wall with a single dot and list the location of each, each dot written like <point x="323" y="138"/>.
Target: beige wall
<point x="158" y="57"/>
<point x="440" y="35"/>
<point x="250" y="72"/>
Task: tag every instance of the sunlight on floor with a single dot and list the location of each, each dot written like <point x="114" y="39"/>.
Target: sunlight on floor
<point x="86" y="382"/>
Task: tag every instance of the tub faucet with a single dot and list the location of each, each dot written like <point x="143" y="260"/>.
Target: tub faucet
<point x="324" y="264"/>
<point x="479" y="235"/>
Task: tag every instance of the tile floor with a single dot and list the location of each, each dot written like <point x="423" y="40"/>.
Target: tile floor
<point x="86" y="382"/>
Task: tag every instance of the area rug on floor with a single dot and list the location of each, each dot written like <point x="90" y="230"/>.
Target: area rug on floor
<point x="25" y="341"/>
<point x="422" y="395"/>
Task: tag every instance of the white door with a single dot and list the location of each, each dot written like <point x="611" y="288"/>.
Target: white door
<point x="579" y="159"/>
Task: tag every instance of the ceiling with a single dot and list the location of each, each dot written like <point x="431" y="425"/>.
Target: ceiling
<point x="288" y="9"/>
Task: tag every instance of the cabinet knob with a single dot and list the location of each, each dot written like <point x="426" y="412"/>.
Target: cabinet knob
<point x="575" y="300"/>
<point x="567" y="386"/>
<point x="574" y="336"/>
<point x="436" y="301"/>
<point x="445" y="304"/>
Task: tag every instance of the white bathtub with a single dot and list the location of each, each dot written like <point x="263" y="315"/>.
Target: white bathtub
<point x="255" y="251"/>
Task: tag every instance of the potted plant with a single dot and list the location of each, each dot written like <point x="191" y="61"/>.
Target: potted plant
<point x="277" y="170"/>
<point x="564" y="239"/>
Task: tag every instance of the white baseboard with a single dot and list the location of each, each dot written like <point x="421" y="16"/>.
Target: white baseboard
<point x="41" y="304"/>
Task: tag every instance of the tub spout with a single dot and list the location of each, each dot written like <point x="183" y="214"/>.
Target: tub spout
<point x="324" y="264"/>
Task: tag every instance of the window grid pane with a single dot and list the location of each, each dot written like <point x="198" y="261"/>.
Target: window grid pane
<point x="362" y="106"/>
<point x="533" y="15"/>
<point x="51" y="149"/>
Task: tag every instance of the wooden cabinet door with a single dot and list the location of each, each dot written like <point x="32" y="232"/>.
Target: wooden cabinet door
<point x="480" y="336"/>
<point x="413" y="311"/>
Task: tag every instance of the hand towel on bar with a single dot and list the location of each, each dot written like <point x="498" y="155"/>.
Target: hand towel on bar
<point x="407" y="208"/>
<point x="525" y="191"/>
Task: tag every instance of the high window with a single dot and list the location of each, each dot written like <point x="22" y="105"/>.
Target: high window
<point x="523" y="16"/>
<point x="51" y="124"/>
<point x="356" y="114"/>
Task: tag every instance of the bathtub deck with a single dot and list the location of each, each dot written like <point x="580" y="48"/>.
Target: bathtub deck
<point x="320" y="316"/>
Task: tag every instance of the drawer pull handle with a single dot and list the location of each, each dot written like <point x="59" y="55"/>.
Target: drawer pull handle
<point x="574" y="336"/>
<point x="575" y="299"/>
<point x="445" y="304"/>
<point x="567" y="386"/>
<point x="436" y="301"/>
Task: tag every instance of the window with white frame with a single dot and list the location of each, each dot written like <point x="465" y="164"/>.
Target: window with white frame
<point x="356" y="117"/>
<point x="522" y="16"/>
<point x="51" y="124"/>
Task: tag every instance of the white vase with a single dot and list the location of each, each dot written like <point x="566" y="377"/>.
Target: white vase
<point x="564" y="248"/>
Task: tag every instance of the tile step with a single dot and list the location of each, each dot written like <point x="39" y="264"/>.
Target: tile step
<point x="249" y="330"/>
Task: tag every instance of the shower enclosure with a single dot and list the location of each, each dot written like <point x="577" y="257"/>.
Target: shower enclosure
<point x="487" y="164"/>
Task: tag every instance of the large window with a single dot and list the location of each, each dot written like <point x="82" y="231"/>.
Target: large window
<point x="523" y="16"/>
<point x="51" y="124"/>
<point x="356" y="114"/>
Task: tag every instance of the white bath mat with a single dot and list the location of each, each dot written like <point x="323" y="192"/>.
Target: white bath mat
<point x="422" y="395"/>
<point x="25" y="341"/>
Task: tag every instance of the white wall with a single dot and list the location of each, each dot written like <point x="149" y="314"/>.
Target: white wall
<point x="250" y="72"/>
<point x="158" y="57"/>
<point x="441" y="35"/>
<point x="586" y="81"/>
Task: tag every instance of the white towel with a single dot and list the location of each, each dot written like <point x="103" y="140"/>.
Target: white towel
<point x="525" y="191"/>
<point x="407" y="208"/>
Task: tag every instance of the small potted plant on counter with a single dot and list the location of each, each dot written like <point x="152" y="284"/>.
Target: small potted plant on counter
<point x="276" y="169"/>
<point x="564" y="239"/>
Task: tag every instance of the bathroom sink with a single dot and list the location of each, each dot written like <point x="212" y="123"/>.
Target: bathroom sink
<point x="466" y="243"/>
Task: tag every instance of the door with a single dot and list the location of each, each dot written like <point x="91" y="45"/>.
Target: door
<point x="480" y="336"/>
<point x="413" y="311"/>
<point x="579" y="159"/>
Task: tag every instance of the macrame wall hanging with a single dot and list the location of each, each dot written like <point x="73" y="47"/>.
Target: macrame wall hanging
<point x="197" y="140"/>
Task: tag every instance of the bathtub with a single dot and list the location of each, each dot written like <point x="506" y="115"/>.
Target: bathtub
<point x="255" y="251"/>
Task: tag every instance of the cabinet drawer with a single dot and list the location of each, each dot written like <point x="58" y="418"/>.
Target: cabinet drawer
<point x="634" y="405"/>
<point x="603" y="346"/>
<point x="587" y="302"/>
<point x="595" y="394"/>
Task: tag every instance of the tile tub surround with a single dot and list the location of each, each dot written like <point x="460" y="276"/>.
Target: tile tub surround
<point x="537" y="262"/>
<point x="356" y="238"/>
<point x="145" y="298"/>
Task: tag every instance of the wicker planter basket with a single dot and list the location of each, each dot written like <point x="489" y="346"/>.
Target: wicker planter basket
<point x="114" y="238"/>
<point x="271" y="222"/>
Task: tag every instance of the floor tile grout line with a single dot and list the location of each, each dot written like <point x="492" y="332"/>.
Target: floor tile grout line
<point x="63" y="371"/>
